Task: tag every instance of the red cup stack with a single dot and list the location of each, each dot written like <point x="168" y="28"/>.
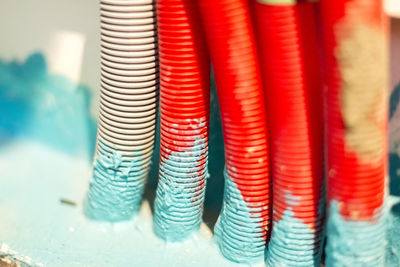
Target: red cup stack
<point x="185" y="97"/>
<point x="243" y="225"/>
<point x="356" y="107"/>
<point x="290" y="66"/>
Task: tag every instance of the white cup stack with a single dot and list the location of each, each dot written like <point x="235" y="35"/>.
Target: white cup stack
<point x="129" y="99"/>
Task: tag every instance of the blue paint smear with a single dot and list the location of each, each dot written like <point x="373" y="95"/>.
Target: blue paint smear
<point x="179" y="198"/>
<point x="353" y="243"/>
<point x="116" y="189"/>
<point x="48" y="108"/>
<point x="292" y="243"/>
<point x="238" y="231"/>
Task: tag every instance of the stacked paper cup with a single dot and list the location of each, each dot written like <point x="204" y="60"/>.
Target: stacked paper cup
<point x="356" y="108"/>
<point x="243" y="225"/>
<point x="289" y="52"/>
<point x="128" y="108"/>
<point x="185" y="83"/>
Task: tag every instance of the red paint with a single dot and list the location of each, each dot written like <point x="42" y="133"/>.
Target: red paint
<point x="185" y="83"/>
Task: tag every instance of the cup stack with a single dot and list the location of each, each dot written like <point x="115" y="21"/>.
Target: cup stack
<point x="356" y="108"/>
<point x="244" y="221"/>
<point x="128" y="108"/>
<point x="184" y="105"/>
<point x="289" y="52"/>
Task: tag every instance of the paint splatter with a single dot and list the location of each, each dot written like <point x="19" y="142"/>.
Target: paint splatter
<point x="48" y="108"/>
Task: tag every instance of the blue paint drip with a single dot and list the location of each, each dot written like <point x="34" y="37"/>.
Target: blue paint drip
<point x="180" y="194"/>
<point x="116" y="189"/>
<point x="238" y="231"/>
<point x="352" y="243"/>
<point x="51" y="109"/>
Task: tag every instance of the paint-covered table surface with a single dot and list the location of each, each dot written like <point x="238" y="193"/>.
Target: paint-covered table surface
<point x="42" y="223"/>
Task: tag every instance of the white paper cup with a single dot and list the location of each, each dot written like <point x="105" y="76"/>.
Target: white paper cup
<point x="125" y="47"/>
<point x="130" y="109"/>
<point x="129" y="72"/>
<point x="130" y="85"/>
<point x="135" y="120"/>
<point x="124" y="136"/>
<point x="129" y="28"/>
<point x="134" y="107"/>
<point x="130" y="35"/>
<point x="129" y="79"/>
<point x="122" y="66"/>
<point x="141" y="130"/>
<point x="123" y="125"/>
<point x="129" y="54"/>
<point x="133" y="60"/>
<point x="136" y="114"/>
<point x="133" y="94"/>
<point x="141" y="93"/>
<point x="126" y="15"/>
<point x="129" y="102"/>
<point x="121" y="41"/>
<point x="130" y="97"/>
<point x="127" y="8"/>
<point x="125" y="144"/>
<point x="126" y="21"/>
<point x="127" y="2"/>
<point x="137" y="152"/>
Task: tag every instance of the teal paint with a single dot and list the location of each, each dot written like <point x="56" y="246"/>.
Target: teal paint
<point x="36" y="228"/>
<point x="292" y="243"/>
<point x="116" y="189"/>
<point x="179" y="202"/>
<point x="238" y="228"/>
<point x="353" y="243"/>
<point x="291" y="200"/>
<point x="393" y="233"/>
<point x="48" y="108"/>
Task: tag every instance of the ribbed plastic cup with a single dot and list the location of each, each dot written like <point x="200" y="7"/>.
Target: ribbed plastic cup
<point x="233" y="52"/>
<point x="127" y="2"/>
<point x="128" y="54"/>
<point x="356" y="183"/>
<point x="184" y="106"/>
<point x="127" y="150"/>
<point x="127" y="8"/>
<point x="287" y="35"/>
<point x="129" y="100"/>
